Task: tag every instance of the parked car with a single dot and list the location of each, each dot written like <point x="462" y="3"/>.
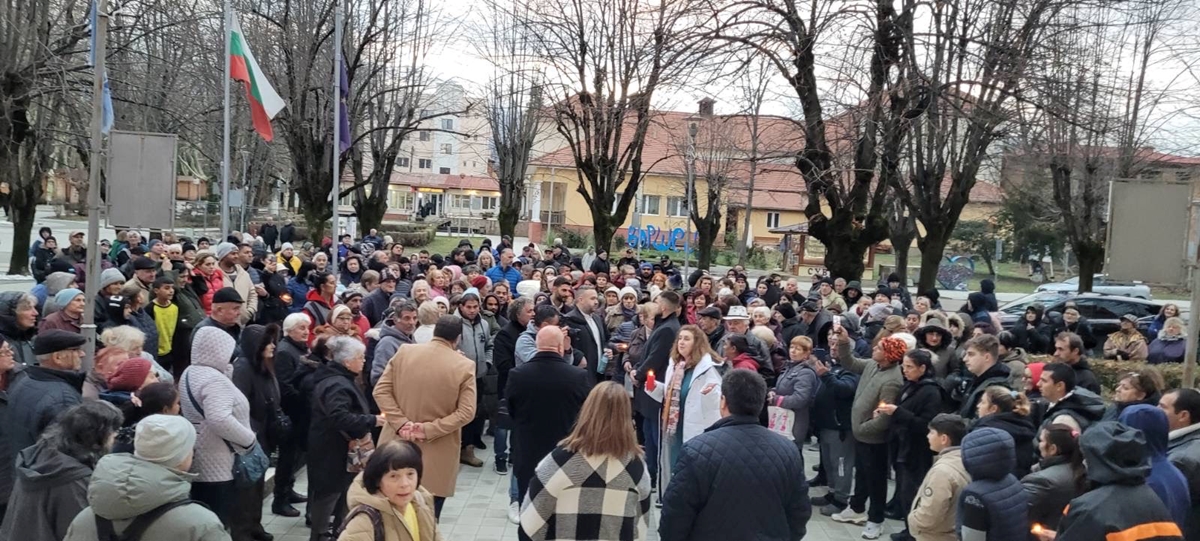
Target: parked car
<point x="1102" y="311"/>
<point x="1101" y="284"/>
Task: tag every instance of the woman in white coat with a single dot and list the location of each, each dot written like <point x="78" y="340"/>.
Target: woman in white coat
<point x="690" y="392"/>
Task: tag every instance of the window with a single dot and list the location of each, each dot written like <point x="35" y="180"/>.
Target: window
<point x="677" y="206"/>
<point x="402" y="162"/>
<point x="444" y="170"/>
<point x="400" y="199"/>
<point x="424" y="136"/>
<point x="460" y="201"/>
<point x="650" y="204"/>
<point x="447" y="148"/>
<point x="447" y="123"/>
<point x="424" y="113"/>
<point x="1151" y="174"/>
<point x="424" y="164"/>
<point x="772" y="219"/>
<point x="490" y="203"/>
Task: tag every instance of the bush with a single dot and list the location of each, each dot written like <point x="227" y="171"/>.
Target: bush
<point x="1109" y="372"/>
<point x="571" y="238"/>
<point x="413" y="235"/>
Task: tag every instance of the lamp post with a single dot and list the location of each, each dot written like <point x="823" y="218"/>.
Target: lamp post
<point x="693" y="127"/>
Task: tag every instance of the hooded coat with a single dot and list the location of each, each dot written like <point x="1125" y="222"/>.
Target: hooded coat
<point x="1120" y="505"/>
<point x="360" y="528"/>
<point x="1165" y="479"/>
<point x="226" y="420"/>
<point x="1167" y="349"/>
<point x="1183" y="450"/>
<point x="944" y="357"/>
<point x="1023" y="433"/>
<point x="50" y="489"/>
<point x="124" y="487"/>
<point x="21" y="341"/>
<point x="258" y="384"/>
<point x="1036" y="340"/>
<point x="35" y="398"/>
<point x="994" y="505"/>
<point x="1050" y="489"/>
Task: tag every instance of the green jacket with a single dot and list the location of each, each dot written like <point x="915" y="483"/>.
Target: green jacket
<point x="123" y="487"/>
<point x="875" y="385"/>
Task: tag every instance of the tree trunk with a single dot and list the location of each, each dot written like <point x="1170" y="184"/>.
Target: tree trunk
<point x="900" y="251"/>
<point x="1090" y="255"/>
<point x="508" y="216"/>
<point x="315" y="222"/>
<point x="370" y="211"/>
<point x="706" y="232"/>
<point x="933" y="247"/>
<point x="22" y="218"/>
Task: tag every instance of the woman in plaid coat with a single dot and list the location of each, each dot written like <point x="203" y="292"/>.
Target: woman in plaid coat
<point x="595" y="484"/>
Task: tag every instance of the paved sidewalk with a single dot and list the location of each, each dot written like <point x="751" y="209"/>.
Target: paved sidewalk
<point x="479" y="509"/>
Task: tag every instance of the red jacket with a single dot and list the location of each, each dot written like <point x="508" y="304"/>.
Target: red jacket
<point x="215" y="282"/>
<point x="314" y="295"/>
<point x="744" y="360"/>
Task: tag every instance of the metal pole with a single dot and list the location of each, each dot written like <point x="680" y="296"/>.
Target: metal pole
<point x="1189" y="360"/>
<point x="225" y="140"/>
<point x="92" y="280"/>
<point x="691" y="181"/>
<point x="245" y="188"/>
<point x="336" y="99"/>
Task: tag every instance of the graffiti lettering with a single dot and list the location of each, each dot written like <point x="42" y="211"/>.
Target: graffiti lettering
<point x="663" y="240"/>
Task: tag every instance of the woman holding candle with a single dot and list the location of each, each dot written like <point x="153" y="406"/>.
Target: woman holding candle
<point x="690" y="391"/>
<point x="1058" y="478"/>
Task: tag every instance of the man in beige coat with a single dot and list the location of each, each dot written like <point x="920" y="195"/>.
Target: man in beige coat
<point x="427" y="393"/>
<point x="237" y="277"/>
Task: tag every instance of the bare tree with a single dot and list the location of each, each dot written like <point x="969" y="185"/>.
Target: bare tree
<point x="605" y="60"/>
<point x="512" y="103"/>
<point x="753" y="84"/>
<point x="712" y="155"/>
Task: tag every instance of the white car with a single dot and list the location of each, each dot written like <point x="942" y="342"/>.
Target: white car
<point x="1101" y="284"/>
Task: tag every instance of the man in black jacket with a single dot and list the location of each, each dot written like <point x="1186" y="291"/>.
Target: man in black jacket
<point x="655" y="360"/>
<point x="592" y="334"/>
<point x="737" y="480"/>
<point x="504" y="358"/>
<point x="291" y="366"/>
<point x="1068" y="348"/>
<point x="831" y="421"/>
<point x="544" y="396"/>
<point x="269" y="233"/>
<point x="982" y="360"/>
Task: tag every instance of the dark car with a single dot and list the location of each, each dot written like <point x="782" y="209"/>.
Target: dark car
<point x="1102" y="311"/>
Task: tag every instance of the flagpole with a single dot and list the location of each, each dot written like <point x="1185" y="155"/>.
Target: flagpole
<point x="226" y="28"/>
<point x="335" y="101"/>
<point x="92" y="279"/>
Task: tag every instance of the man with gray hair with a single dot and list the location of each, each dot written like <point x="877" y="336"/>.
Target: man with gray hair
<point x="476" y="344"/>
<point x="236" y="276"/>
<point x="396" y="330"/>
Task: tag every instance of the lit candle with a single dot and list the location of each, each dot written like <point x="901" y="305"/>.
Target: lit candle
<point x="650" y="380"/>
<point x="882" y="403"/>
<point x="1037" y="528"/>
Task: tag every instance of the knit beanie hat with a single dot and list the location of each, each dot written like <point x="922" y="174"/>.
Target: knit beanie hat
<point x="786" y="310"/>
<point x="64" y="297"/>
<point x="629" y="291"/>
<point x="166" y="440"/>
<point x="130" y="375"/>
<point x="110" y="277"/>
<point x="224" y="249"/>
<point x="893" y="349"/>
<point x="479" y="282"/>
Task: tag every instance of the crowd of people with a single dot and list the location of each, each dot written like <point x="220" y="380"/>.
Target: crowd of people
<point x="608" y="386"/>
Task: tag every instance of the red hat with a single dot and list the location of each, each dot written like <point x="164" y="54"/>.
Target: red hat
<point x="893" y="348"/>
<point x="479" y="281"/>
<point x="130" y="375"/>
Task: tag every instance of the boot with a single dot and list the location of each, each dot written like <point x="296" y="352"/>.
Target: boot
<point x="284" y="509"/>
<point x="468" y="457"/>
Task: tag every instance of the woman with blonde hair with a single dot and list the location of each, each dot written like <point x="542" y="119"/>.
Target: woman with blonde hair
<point x="690" y="392"/>
<point x="428" y="313"/>
<point x="602" y="446"/>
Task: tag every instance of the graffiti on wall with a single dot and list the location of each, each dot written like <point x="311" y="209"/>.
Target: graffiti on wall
<point x="650" y="237"/>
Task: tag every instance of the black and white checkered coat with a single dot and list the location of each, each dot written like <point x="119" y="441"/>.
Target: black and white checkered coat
<point x="577" y="498"/>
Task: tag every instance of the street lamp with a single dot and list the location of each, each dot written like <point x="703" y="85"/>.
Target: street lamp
<point x="693" y="128"/>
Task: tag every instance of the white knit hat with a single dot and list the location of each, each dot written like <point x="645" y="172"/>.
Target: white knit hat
<point x="166" y="440"/>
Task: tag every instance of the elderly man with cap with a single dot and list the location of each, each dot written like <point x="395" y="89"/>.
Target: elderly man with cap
<point x="376" y="303"/>
<point x="236" y="277"/>
<point x="709" y="320"/>
<point x="125" y="487"/>
<point x="37" y="395"/>
<point x="737" y="322"/>
<point x="69" y="316"/>
<point x="144" y="271"/>
<point x="815" y="323"/>
<point x="226" y="310"/>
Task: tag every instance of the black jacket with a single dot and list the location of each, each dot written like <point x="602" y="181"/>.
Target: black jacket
<point x="1082" y="327"/>
<point x="1084" y="406"/>
<point x="998" y="374"/>
<point x="1050" y="489"/>
<point x="258" y="384"/>
<point x="35" y="398"/>
<point x="1036" y="341"/>
<point x="1084" y="377"/>
<point x="269" y="234"/>
<point x="1023" y="434"/>
<point x="288" y="233"/>
<point x="339" y="412"/>
<point x="656" y="357"/>
<point x="274" y="307"/>
<point x="737" y="480"/>
<point x="544" y="397"/>
<point x="504" y="357"/>
<point x="919" y="403"/>
<point x="587" y="342"/>
<point x="375" y="304"/>
<point x="835" y="398"/>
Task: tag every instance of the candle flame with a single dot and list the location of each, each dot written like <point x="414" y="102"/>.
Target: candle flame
<point x="1037" y="528"/>
<point x="882" y="403"/>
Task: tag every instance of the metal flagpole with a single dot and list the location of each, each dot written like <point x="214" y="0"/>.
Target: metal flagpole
<point x="92" y="280"/>
<point x="228" y="12"/>
<point x="336" y="100"/>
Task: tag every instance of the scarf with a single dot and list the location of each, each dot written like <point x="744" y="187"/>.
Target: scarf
<point x="671" y="407"/>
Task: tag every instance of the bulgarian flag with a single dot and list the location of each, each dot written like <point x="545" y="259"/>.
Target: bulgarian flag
<point x="264" y="102"/>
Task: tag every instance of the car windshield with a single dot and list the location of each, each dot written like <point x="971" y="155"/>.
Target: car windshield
<point x="1017" y="306"/>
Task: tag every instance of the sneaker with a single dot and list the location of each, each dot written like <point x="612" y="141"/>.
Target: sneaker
<point x="501" y="466"/>
<point x="850" y="516"/>
<point x="514" y="512"/>
<point x="832" y="509"/>
<point x="658" y="503"/>
<point x="872" y="531"/>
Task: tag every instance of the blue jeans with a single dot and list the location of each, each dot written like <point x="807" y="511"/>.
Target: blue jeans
<point x="513" y="494"/>
<point x="650" y="428"/>
<point x="501" y="443"/>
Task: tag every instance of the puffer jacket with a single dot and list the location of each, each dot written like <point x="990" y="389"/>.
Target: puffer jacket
<point x="1050" y="489"/>
<point x="796" y="389"/>
<point x="360" y="528"/>
<point x="932" y="515"/>
<point x="1022" y="431"/>
<point x="206" y="385"/>
<point x="919" y="403"/>
<point x="874" y="386"/>
<point x="35" y="398"/>
<point x="1081" y="408"/>
<point x="51" y="489"/>
<point x="835" y="400"/>
<point x="1165" y="479"/>
<point x="1183" y="450"/>
<point x="1120" y="505"/>
<point x="736" y="468"/>
<point x="1167" y="349"/>
<point x="124" y="487"/>
<point x="994" y="506"/>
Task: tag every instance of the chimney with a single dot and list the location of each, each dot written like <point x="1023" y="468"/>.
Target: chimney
<point x="706" y="106"/>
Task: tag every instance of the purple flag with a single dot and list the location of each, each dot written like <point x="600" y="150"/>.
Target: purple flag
<point x="344" y="95"/>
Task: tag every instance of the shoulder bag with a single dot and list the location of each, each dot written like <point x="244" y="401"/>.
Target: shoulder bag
<point x="248" y="469"/>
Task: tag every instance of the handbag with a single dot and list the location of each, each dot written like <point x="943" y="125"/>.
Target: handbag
<point x="248" y="469"/>
<point x="279" y="425"/>
<point x="781" y="420"/>
<point x="358" y="451"/>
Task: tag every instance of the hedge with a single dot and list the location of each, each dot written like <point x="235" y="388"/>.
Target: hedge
<point x="1109" y="372"/>
<point x="412" y="234"/>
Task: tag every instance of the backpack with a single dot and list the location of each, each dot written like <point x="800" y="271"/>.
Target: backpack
<point x="371" y="513"/>
<point x="142" y="522"/>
